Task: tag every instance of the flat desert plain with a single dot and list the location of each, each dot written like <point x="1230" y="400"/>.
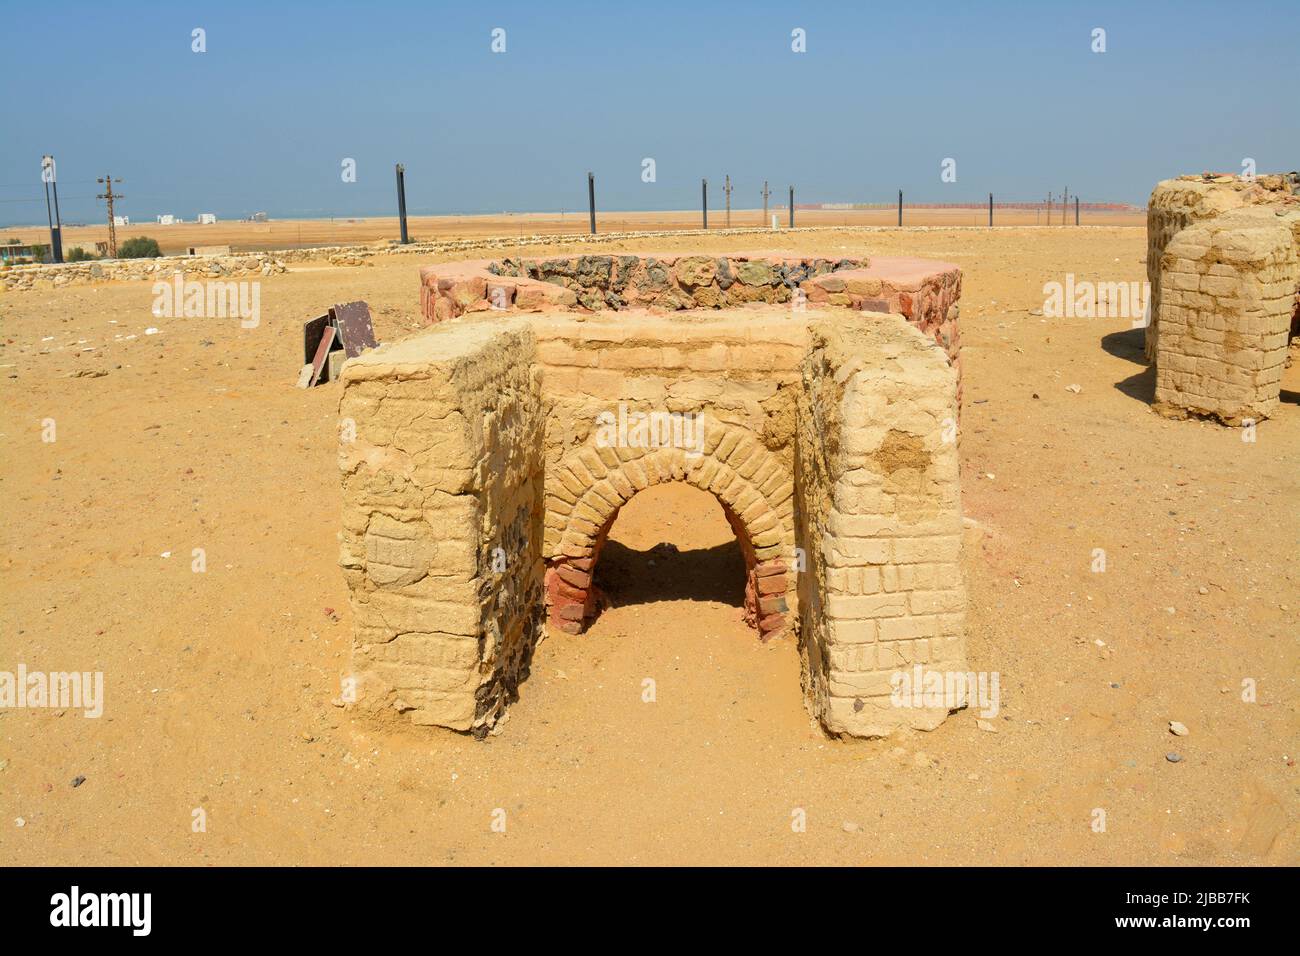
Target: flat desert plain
<point x="218" y="685"/>
<point x="294" y="233"/>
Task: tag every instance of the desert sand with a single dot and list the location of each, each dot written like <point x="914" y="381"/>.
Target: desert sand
<point x="295" y="233"/>
<point x="219" y="684"/>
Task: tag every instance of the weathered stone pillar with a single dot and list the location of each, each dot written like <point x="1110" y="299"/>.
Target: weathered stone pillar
<point x="1228" y="294"/>
<point x="442" y="521"/>
<point x="879" y="518"/>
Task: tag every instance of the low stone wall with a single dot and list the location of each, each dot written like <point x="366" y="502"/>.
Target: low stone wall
<point x="24" y="277"/>
<point x="19" y="278"/>
<point x="923" y="291"/>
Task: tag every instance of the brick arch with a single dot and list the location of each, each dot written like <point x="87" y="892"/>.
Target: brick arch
<point x="585" y="492"/>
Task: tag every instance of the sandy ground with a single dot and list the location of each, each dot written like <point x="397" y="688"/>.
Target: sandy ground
<point x="294" y="233"/>
<point x="218" y="684"/>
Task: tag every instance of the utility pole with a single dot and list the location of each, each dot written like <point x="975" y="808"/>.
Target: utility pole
<point x="110" y="196"/>
<point x="56" y="226"/>
<point x="727" y="189"/>
<point x="704" y="201"/>
<point x="1065" y="196"/>
<point x="591" y="199"/>
<point x="791" y="207"/>
<point x="1049" y="207"/>
<point x="765" y="195"/>
<point x="401" y="204"/>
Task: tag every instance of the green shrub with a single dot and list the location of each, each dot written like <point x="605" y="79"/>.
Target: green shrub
<point x="78" y="254"/>
<point x="139" y="247"/>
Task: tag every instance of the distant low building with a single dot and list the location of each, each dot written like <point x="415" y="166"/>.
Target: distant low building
<point x="21" y="252"/>
<point x="166" y="220"/>
<point x="121" y="220"/>
<point x="207" y="218"/>
<point x="257" y="217"/>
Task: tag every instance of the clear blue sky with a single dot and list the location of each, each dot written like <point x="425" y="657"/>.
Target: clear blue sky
<point x="885" y="91"/>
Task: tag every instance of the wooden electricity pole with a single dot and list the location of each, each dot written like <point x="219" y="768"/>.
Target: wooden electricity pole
<point x="765" y="195"/>
<point x="727" y="189"/>
<point x="112" y="226"/>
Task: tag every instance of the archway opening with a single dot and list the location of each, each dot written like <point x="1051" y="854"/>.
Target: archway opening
<point x="671" y="542"/>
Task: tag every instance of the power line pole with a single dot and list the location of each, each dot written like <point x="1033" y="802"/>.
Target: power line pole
<point x="56" y="225"/>
<point x="401" y="205"/>
<point x="704" y="201"/>
<point x="1065" y="197"/>
<point x="727" y="189"/>
<point x="765" y="195"/>
<point x="112" y="226"/>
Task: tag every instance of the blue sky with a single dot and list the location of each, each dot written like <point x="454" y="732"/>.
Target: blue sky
<point x="885" y="92"/>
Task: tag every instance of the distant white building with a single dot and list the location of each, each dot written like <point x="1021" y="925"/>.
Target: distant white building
<point x="121" y="220"/>
<point x="207" y="218"/>
<point x="167" y="220"/>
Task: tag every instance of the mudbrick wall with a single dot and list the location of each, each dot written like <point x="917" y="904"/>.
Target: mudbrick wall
<point x="488" y="457"/>
<point x="1224" y="292"/>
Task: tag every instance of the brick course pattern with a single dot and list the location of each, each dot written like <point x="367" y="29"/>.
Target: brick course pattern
<point x="480" y="481"/>
<point x="1223" y="263"/>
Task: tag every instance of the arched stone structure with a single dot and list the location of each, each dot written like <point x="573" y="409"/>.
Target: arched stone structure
<point x="484" y="473"/>
<point x="586" y="491"/>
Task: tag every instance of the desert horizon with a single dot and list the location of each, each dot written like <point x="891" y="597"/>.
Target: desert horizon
<point x="245" y="236"/>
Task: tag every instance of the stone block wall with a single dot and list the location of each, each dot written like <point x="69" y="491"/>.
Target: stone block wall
<point x="441" y="540"/>
<point x="1225" y="318"/>
<point x="880" y="519"/>
<point x="483" y="480"/>
<point x="734" y="376"/>
<point x="1178" y="203"/>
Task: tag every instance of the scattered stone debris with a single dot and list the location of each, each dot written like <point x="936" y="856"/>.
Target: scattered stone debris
<point x="1173" y="757"/>
<point x="78" y="780"/>
<point x="1177" y="729"/>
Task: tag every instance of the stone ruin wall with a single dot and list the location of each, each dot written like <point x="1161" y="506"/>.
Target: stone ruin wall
<point x="880" y="516"/>
<point x="926" y="293"/>
<point x="477" y="435"/>
<point x="444" y="469"/>
<point x="1225" y="293"/>
<point x="739" y="375"/>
